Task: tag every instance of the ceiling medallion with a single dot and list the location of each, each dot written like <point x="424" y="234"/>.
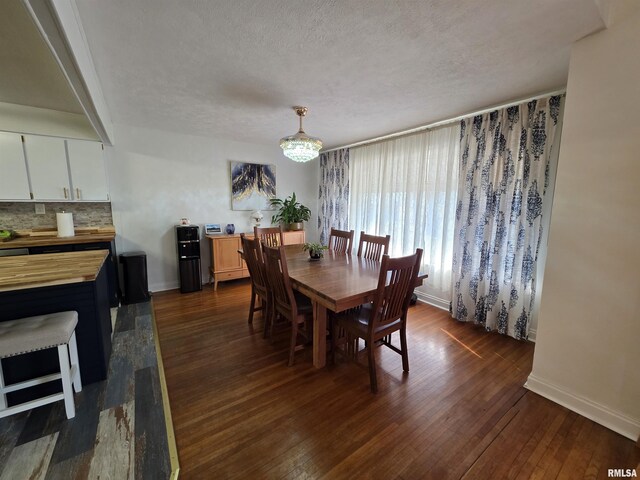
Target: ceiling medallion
<point x="301" y="147"/>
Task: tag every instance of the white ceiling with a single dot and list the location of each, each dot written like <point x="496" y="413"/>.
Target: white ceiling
<point x="233" y="68"/>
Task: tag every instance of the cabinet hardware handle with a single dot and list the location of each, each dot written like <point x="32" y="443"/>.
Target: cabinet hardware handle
<point x="77" y="193"/>
<point x="66" y="192"/>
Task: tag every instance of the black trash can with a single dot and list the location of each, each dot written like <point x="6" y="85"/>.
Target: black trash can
<point x="134" y="276"/>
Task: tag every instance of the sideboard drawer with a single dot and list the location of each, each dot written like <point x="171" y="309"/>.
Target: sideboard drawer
<point x="221" y="276"/>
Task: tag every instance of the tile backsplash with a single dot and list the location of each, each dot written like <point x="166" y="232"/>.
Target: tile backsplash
<point x="21" y="215"/>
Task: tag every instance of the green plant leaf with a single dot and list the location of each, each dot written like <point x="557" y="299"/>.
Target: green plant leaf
<point x="289" y="210"/>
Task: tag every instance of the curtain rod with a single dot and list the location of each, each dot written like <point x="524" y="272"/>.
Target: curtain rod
<point x="440" y="123"/>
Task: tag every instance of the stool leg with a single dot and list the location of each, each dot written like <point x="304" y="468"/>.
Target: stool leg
<point x="65" y="373"/>
<point x="73" y="353"/>
<point x="3" y="397"/>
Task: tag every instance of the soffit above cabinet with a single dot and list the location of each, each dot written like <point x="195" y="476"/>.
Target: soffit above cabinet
<point x="36" y="95"/>
<point x="30" y="74"/>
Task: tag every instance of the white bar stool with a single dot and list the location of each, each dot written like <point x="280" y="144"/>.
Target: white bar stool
<point x="41" y="332"/>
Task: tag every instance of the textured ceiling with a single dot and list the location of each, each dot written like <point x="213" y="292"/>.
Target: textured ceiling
<point x="364" y="68"/>
<point x="30" y="75"/>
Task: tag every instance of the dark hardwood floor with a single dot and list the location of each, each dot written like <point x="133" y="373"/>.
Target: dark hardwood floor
<point x="461" y="412"/>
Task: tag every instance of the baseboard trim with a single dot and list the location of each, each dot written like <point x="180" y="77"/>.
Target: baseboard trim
<point x="532" y="335"/>
<point x="161" y="287"/>
<point x="613" y="420"/>
<point x="431" y="300"/>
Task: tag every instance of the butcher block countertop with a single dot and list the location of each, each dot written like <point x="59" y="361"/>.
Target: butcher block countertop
<point x="31" y="271"/>
<point x="28" y="238"/>
<point x="25" y="242"/>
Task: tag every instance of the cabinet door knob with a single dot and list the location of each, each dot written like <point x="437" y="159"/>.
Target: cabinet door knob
<point x="66" y="192"/>
<point x="77" y="193"/>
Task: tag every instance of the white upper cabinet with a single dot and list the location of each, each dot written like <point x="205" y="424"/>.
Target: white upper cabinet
<point x="14" y="184"/>
<point x="47" y="161"/>
<point x="51" y="168"/>
<point x="86" y="164"/>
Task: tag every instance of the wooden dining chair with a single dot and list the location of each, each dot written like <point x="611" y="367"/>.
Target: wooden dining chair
<point x="375" y="322"/>
<point x="260" y="291"/>
<point x="288" y="303"/>
<point x="270" y="236"/>
<point x="340" y="241"/>
<point x="373" y="246"/>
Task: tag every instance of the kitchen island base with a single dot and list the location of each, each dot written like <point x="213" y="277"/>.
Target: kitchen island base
<point x="93" y="332"/>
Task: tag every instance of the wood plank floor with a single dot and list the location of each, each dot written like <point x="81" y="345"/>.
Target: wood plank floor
<point x="461" y="412"/>
<point x="119" y="429"/>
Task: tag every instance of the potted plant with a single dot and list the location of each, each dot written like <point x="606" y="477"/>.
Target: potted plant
<point x="315" y="250"/>
<point x="290" y="212"/>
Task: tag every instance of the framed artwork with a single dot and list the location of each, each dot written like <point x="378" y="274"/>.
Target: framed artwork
<point x="252" y="186"/>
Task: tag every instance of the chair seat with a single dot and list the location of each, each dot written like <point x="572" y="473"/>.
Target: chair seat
<point x="305" y="309"/>
<point x="36" y="333"/>
<point x="358" y="319"/>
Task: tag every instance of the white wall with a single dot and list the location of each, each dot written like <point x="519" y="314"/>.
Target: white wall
<point x="158" y="177"/>
<point x="587" y="354"/>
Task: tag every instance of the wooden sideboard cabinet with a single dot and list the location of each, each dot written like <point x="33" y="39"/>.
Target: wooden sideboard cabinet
<point x="294" y="237"/>
<point x="226" y="263"/>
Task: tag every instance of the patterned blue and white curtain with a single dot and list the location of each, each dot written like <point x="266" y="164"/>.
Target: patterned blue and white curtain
<point x="504" y="179"/>
<point x="333" y="205"/>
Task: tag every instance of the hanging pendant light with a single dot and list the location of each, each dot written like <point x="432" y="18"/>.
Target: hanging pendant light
<point x="301" y="147"/>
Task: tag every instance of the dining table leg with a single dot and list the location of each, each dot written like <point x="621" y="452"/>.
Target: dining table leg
<point x="319" y="335"/>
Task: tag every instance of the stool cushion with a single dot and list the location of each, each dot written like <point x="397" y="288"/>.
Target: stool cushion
<point x="36" y="333"/>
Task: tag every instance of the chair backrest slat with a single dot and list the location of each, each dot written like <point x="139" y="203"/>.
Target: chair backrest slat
<point x="397" y="280"/>
<point x="373" y="247"/>
<point x="340" y="241"/>
<point x="270" y="236"/>
<point x="252" y="252"/>
<point x="278" y="277"/>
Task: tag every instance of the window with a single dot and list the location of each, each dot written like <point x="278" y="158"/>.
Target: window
<point x="407" y="188"/>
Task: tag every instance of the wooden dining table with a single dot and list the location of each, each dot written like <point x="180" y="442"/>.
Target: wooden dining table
<point x="336" y="282"/>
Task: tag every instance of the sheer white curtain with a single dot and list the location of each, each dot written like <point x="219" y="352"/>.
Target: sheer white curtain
<point x="407" y="188"/>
